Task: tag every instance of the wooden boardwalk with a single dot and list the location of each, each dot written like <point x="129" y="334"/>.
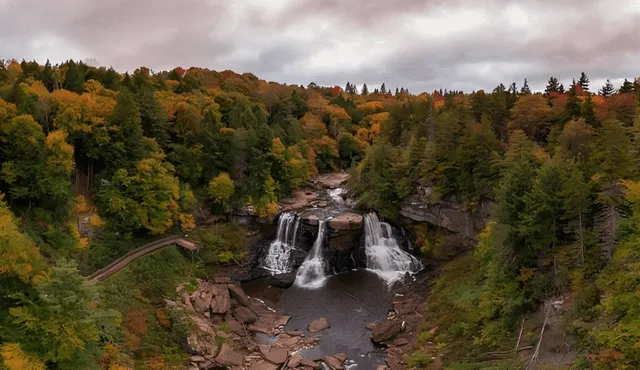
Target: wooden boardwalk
<point x="123" y="261"/>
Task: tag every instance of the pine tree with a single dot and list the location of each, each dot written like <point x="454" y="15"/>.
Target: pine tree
<point x="561" y="89"/>
<point x="74" y="78"/>
<point x="627" y="87"/>
<point x="583" y="82"/>
<point x="525" y="88"/>
<point x="574" y="108"/>
<point x="552" y="86"/>
<point x="607" y="90"/>
<point x="347" y="88"/>
<point x="397" y="91"/>
<point x="589" y="111"/>
<point x="383" y="89"/>
<point x="365" y="89"/>
<point x="577" y="202"/>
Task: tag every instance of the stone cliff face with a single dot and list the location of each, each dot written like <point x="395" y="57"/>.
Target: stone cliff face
<point x="448" y="213"/>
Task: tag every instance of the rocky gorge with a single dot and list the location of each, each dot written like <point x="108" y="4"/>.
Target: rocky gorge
<point x="329" y="287"/>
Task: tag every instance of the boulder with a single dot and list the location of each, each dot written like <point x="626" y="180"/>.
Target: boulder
<point x="319" y="325"/>
<point x="310" y="363"/>
<point x="187" y="300"/>
<point x="312" y="220"/>
<point x="202" y="302"/>
<point x="294" y="361"/>
<point x="236" y="327"/>
<point x="221" y="302"/>
<point x="245" y="315"/>
<point x="259" y="328"/>
<point x="229" y="357"/>
<point x="333" y="362"/>
<point x="238" y="294"/>
<point x="346" y="221"/>
<point x="385" y="330"/>
<point x="282" y="280"/>
<point x="221" y="279"/>
<point x="277" y="355"/>
<point x="281" y="320"/>
<point x="341" y="356"/>
<point x="295" y="333"/>
<point x="400" y="342"/>
<point x="264" y="365"/>
<point x="197" y="359"/>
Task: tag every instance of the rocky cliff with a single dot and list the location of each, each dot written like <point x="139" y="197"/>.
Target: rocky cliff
<point x="448" y="213"/>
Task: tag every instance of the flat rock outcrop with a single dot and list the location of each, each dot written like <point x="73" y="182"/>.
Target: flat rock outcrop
<point x="346" y="221"/>
<point x="448" y="213"/>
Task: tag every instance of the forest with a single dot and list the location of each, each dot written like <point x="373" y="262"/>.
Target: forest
<point x="94" y="163"/>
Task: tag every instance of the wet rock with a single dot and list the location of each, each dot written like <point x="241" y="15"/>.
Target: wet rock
<point x="385" y="330"/>
<point x="257" y="328"/>
<point x="294" y="361"/>
<point x="319" y="325"/>
<point x="284" y="281"/>
<point x="400" y="342"/>
<point x="281" y="320"/>
<point x="221" y="279"/>
<point x="264" y="365"/>
<point x="295" y="333"/>
<point x="341" y="356"/>
<point x="236" y="327"/>
<point x="332" y="180"/>
<point x="202" y="301"/>
<point x="333" y="362"/>
<point x="406" y="306"/>
<point x="346" y="221"/>
<point x="245" y="315"/>
<point x="221" y="302"/>
<point x="238" y="294"/>
<point x="197" y="359"/>
<point x="229" y="357"/>
<point x="287" y="342"/>
<point x="277" y="355"/>
<point x="312" y="220"/>
<point x="310" y="363"/>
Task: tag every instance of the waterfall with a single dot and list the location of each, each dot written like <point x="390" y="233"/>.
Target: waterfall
<point x="384" y="255"/>
<point x="278" y="259"/>
<point x="311" y="274"/>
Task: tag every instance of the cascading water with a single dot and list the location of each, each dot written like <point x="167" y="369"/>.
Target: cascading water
<point x="311" y="274"/>
<point x="384" y="255"/>
<point x="278" y="259"/>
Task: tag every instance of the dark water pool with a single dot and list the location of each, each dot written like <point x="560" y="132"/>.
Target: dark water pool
<point x="349" y="301"/>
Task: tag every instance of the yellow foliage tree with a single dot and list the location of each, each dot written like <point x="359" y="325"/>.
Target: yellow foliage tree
<point x="221" y="189"/>
<point x="14" y="358"/>
<point x="19" y="256"/>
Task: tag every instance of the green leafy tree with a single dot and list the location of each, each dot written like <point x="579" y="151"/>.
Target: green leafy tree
<point x="63" y="320"/>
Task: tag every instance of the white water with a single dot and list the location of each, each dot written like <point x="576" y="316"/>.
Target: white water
<point x="278" y="259"/>
<point x="336" y="195"/>
<point x="311" y="274"/>
<point x="384" y="255"/>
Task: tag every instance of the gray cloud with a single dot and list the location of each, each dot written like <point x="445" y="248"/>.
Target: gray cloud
<point x="422" y="45"/>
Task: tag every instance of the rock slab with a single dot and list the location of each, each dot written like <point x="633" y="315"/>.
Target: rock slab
<point x="319" y="325"/>
<point x="385" y="330"/>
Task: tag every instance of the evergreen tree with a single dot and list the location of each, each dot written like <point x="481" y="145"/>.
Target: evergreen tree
<point x="577" y="202"/>
<point x="525" y="88"/>
<point x="347" y="88"/>
<point x="627" y="87"/>
<point x="607" y="90"/>
<point x="574" y="108"/>
<point x="589" y="111"/>
<point x="127" y="146"/>
<point x="383" y="89"/>
<point x="561" y="89"/>
<point x="153" y="117"/>
<point x="47" y="77"/>
<point x="74" y="78"/>
<point x="552" y="86"/>
<point x="365" y="89"/>
<point x="583" y="82"/>
<point x="397" y="91"/>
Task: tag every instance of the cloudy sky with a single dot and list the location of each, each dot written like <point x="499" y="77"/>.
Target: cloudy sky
<point x="421" y="45"/>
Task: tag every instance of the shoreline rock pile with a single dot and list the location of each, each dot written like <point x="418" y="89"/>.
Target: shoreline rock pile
<point x="224" y="328"/>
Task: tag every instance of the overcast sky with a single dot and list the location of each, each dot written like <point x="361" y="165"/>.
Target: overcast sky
<point x="421" y="45"/>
